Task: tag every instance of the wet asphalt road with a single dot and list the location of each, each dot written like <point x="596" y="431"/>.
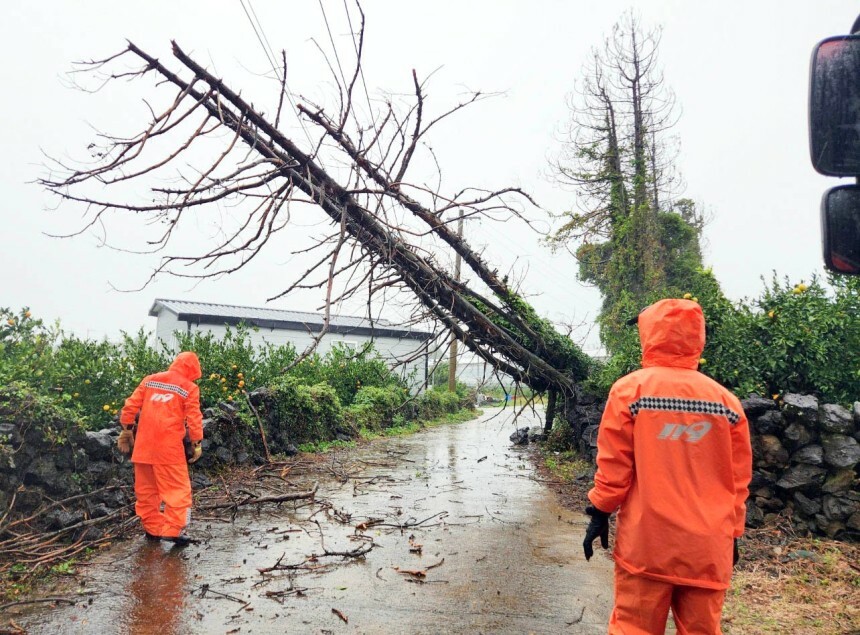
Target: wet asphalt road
<point x="508" y="557"/>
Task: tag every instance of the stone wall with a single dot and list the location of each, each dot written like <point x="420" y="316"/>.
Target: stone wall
<point x="45" y="457"/>
<point x="806" y="458"/>
<point x="52" y="460"/>
<point x="36" y="470"/>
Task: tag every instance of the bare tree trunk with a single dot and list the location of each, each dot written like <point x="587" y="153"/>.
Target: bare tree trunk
<point x="552" y="399"/>
<point x="452" y="358"/>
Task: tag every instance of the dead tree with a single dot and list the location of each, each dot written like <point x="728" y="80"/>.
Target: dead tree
<point x="383" y="223"/>
<point x="619" y="152"/>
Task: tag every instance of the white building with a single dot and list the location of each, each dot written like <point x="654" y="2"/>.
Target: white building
<point x="279" y="327"/>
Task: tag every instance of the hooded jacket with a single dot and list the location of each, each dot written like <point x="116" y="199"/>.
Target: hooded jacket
<point x="167" y="402"/>
<point x="674" y="457"/>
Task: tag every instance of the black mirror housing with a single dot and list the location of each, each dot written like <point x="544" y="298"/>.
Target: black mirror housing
<point x="834" y="106"/>
<point x="840" y="229"/>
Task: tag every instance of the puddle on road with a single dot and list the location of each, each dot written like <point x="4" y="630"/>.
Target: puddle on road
<point x="507" y="557"/>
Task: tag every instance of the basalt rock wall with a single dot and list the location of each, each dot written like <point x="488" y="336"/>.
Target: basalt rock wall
<point x="46" y="457"/>
<point x="806" y="459"/>
<point x="44" y="461"/>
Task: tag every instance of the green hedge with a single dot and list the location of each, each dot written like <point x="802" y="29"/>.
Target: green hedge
<point x="37" y="415"/>
<point x="375" y="408"/>
<point x="351" y="371"/>
<point x="88" y="380"/>
<point x="93" y="378"/>
<point x="795" y="337"/>
<point x="437" y="402"/>
<point x="305" y="413"/>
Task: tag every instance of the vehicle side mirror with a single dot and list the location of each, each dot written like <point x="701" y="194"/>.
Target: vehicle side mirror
<point x="840" y="229"/>
<point x="834" y="106"/>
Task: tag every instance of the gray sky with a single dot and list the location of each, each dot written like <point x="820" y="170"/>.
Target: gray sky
<point x="739" y="69"/>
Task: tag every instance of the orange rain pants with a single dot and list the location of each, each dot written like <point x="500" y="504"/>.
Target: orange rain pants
<point x="157" y="484"/>
<point x="642" y="607"/>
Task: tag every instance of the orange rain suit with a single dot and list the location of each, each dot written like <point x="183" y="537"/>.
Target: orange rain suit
<point x="166" y="402"/>
<point x="674" y="457"/>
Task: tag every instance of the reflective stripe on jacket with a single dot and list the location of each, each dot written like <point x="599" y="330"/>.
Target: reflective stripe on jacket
<point x="167" y="402"/>
<point x="674" y="457"/>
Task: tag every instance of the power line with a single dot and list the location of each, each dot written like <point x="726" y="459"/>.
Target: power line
<point x="269" y="53"/>
<point x="262" y="32"/>
<point x="333" y="47"/>
<point x="266" y="51"/>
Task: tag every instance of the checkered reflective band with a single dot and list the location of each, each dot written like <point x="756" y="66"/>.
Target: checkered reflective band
<point x="169" y="387"/>
<point x="684" y="405"/>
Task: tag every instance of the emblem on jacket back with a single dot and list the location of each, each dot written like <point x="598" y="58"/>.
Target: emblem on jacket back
<point x="692" y="433"/>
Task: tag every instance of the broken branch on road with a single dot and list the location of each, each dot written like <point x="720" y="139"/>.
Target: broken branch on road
<point x="253" y="499"/>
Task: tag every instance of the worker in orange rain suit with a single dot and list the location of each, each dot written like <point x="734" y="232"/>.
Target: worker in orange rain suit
<point x="673" y="456"/>
<point x="166" y="401"/>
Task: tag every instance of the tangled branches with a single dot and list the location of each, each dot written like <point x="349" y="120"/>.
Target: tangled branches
<point x="29" y="550"/>
<point x="386" y="231"/>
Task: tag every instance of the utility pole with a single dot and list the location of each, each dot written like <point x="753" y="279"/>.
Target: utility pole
<point x="452" y="356"/>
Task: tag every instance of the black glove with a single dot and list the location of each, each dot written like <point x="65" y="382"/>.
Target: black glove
<point x="735" y="555"/>
<point x="599" y="526"/>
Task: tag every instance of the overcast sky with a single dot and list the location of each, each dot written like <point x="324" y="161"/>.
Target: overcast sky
<point x="739" y="70"/>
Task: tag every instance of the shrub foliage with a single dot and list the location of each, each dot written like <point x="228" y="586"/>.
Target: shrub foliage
<point x="802" y="337"/>
<point x="89" y="380"/>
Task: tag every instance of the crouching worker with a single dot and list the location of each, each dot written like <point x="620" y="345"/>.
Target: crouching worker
<point x="167" y="402"/>
<point x="674" y="458"/>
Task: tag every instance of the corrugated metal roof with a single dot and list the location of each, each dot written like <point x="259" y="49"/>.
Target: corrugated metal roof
<point x="279" y="318"/>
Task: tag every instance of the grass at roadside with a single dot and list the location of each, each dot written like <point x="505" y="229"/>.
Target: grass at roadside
<point x="569" y="475"/>
<point x="784" y="583"/>
<point x="17" y="582"/>
<point x="793" y="584"/>
<point x="566" y="466"/>
<point x="324" y="446"/>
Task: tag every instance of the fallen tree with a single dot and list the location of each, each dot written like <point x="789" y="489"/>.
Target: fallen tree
<point x="382" y="228"/>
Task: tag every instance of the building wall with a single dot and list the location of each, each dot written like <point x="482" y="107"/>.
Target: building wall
<point x="389" y="348"/>
<point x="165" y="328"/>
<point x="393" y="349"/>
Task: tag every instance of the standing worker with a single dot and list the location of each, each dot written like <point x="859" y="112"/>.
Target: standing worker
<point x="674" y="458"/>
<point x="167" y="402"/>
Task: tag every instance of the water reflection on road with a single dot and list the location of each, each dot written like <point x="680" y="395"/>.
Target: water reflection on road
<point x="508" y="557"/>
<point x="157" y="592"/>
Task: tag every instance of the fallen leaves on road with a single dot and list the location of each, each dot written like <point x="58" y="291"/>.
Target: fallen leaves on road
<point x="340" y="615"/>
<point x="418" y="573"/>
<point x="415" y="547"/>
<point x="13" y="629"/>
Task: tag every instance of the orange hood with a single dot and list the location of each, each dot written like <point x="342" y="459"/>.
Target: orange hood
<point x="672" y="333"/>
<point x="187" y="364"/>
